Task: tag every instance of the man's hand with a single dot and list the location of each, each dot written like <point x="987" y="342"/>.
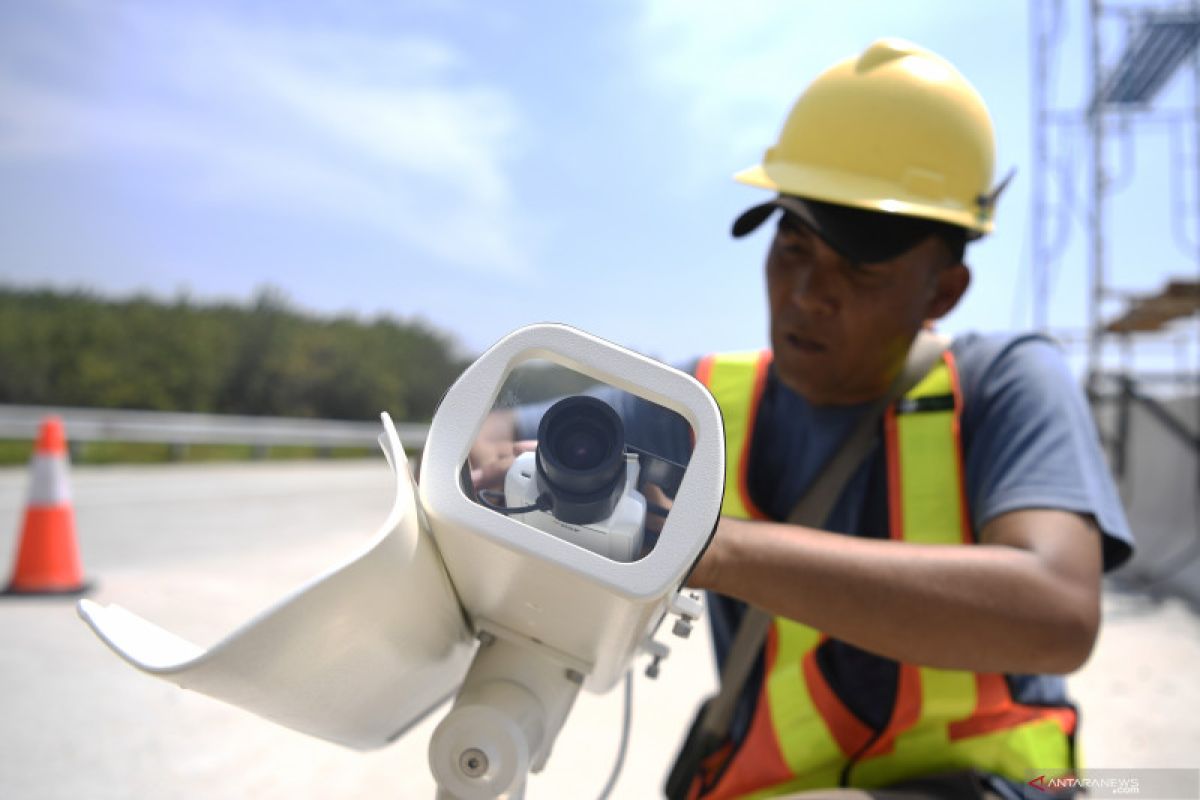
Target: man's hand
<point x="655" y="496"/>
<point x="495" y="450"/>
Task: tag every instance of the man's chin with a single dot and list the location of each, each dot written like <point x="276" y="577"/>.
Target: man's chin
<point x="802" y="384"/>
<point x="824" y="393"/>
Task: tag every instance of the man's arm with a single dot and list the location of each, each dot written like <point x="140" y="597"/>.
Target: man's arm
<point x="1026" y="599"/>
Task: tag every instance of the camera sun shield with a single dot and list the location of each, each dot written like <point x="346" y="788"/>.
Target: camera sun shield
<point x="356" y="656"/>
<point x="510" y="597"/>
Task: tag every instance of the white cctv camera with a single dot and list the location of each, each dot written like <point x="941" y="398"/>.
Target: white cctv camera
<point x="508" y="584"/>
<point x="556" y="605"/>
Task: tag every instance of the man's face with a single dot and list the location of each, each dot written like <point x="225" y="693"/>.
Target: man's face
<point x="841" y="330"/>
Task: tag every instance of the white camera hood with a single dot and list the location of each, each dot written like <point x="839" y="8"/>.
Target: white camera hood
<point x="356" y="656"/>
<point x="592" y="610"/>
<point x="360" y="654"/>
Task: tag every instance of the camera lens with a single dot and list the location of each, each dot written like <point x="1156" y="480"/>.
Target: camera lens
<point x="581" y="459"/>
<point x="581" y="446"/>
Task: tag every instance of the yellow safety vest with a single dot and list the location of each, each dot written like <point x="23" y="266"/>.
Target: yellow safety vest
<point x="802" y="735"/>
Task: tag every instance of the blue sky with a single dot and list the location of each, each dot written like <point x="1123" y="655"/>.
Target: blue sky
<point x="483" y="165"/>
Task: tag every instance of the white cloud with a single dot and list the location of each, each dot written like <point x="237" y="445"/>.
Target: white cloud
<point x="737" y="69"/>
<point x="734" y="69"/>
<point x="379" y="129"/>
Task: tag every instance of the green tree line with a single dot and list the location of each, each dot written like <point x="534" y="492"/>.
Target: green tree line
<point x="262" y="358"/>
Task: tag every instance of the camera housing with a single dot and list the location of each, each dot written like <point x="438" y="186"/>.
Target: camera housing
<point x="553" y="616"/>
<point x="519" y="580"/>
<point x="510" y="616"/>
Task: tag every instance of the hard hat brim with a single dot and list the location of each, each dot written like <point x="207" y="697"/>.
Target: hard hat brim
<point x="860" y="235"/>
<point x="756" y="176"/>
<point x="816" y="183"/>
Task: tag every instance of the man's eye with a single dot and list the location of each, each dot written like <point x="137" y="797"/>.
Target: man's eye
<point x="794" y="244"/>
<point x="864" y="272"/>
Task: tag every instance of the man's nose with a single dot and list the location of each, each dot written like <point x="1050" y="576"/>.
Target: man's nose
<point x="815" y="288"/>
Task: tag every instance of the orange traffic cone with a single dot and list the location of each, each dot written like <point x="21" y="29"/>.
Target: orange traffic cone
<point x="47" y="555"/>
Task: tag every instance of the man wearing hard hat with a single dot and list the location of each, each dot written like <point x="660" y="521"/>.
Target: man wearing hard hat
<point x="894" y="658"/>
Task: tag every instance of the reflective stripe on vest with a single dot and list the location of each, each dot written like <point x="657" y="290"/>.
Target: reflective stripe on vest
<point x="802" y="736"/>
<point x="736" y="380"/>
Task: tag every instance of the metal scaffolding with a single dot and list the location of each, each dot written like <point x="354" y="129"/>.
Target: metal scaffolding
<point x="1148" y="421"/>
<point x="1153" y="42"/>
<point x="1156" y="41"/>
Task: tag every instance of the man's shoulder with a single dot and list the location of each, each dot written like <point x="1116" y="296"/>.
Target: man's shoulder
<point x="998" y="361"/>
<point x="1029" y="436"/>
<point x="984" y="350"/>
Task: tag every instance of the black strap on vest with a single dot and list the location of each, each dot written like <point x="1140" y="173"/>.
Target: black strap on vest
<point x="712" y="723"/>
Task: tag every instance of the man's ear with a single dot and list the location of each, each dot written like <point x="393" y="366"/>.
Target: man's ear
<point x="951" y="285"/>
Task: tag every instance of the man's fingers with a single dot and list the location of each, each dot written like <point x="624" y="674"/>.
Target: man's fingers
<point x="491" y="463"/>
<point x="655" y="494"/>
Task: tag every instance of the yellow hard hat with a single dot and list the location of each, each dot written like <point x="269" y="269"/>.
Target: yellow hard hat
<point x="896" y="129"/>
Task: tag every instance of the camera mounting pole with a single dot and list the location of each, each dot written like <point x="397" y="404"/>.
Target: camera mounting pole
<point x="512" y="703"/>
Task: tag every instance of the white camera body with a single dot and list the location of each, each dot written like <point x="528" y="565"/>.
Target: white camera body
<point x="618" y="537"/>
<point x="553" y="610"/>
<point x="510" y="614"/>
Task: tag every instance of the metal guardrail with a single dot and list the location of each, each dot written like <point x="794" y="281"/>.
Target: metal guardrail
<point x="182" y="429"/>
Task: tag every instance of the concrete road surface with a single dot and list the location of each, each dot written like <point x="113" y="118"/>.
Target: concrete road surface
<point x="200" y="548"/>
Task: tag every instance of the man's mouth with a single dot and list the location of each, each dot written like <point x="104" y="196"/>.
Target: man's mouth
<point x="805" y="344"/>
